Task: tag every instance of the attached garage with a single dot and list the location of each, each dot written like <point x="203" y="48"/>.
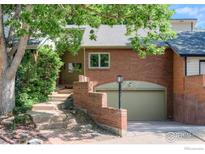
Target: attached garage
<point x="143" y="100"/>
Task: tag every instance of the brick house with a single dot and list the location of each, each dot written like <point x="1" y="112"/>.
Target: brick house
<point x="168" y="86"/>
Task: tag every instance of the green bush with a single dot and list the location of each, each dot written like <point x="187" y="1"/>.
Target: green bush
<point x="36" y="77"/>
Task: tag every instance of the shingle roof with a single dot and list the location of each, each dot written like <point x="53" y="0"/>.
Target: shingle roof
<point x="108" y="36"/>
<point x="189" y="43"/>
<point x="186" y="43"/>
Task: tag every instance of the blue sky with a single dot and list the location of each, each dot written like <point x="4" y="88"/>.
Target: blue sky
<point x="190" y="11"/>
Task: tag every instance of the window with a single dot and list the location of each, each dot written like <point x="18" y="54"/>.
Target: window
<point x="202" y="67"/>
<point x="99" y="60"/>
<point x="194" y="66"/>
<point x="74" y="67"/>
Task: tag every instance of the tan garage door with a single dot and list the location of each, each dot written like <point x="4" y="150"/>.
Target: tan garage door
<point x="140" y="104"/>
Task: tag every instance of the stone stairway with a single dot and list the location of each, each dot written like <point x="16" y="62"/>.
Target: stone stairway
<point x="49" y="115"/>
<point x="60" y="94"/>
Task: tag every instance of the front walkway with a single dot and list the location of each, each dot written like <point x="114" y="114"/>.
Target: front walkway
<point x="59" y="122"/>
<point x="166" y="132"/>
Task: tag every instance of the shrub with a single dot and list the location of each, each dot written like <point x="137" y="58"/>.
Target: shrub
<point x="36" y="77"/>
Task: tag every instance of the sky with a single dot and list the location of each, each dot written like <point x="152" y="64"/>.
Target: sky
<point x="190" y="11"/>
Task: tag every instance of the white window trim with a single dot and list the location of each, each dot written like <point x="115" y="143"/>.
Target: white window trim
<point x="90" y="67"/>
<point x="193" y="65"/>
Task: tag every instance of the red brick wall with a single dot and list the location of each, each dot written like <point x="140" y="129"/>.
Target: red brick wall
<point x="185" y="95"/>
<point x="194" y="104"/>
<point x="189" y="94"/>
<point x="178" y="87"/>
<point x="155" y="69"/>
<point x="178" y="73"/>
<point x="96" y="106"/>
<point x="67" y="77"/>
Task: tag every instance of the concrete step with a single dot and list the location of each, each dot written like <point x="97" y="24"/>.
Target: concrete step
<point x="44" y="106"/>
<point x="56" y="103"/>
<point x="47" y="116"/>
<point x="54" y="93"/>
<point x="64" y="91"/>
<point x="59" y="97"/>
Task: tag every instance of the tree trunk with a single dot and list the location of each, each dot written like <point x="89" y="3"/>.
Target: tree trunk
<point x="8" y="69"/>
<point x="8" y="74"/>
<point x="7" y="93"/>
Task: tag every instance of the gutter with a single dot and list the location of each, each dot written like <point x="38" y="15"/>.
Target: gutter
<point x="107" y="47"/>
<point x="84" y="67"/>
<point x="192" y="55"/>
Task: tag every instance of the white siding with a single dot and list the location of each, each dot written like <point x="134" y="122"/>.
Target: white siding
<point x="183" y="25"/>
<point x="179" y="27"/>
<point x="193" y="65"/>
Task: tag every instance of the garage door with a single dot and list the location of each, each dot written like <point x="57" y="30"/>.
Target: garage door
<point x="143" y="104"/>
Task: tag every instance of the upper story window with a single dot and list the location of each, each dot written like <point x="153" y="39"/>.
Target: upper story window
<point x="99" y="60"/>
<point x="194" y="66"/>
<point x="202" y="67"/>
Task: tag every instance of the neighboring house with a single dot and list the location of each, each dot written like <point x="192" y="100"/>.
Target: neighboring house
<point x="168" y="86"/>
<point x="183" y="24"/>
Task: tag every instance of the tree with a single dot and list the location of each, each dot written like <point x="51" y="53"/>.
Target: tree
<point x="36" y="77"/>
<point x="24" y="21"/>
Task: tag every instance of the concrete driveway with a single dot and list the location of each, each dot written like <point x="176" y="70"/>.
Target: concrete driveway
<point x="161" y="132"/>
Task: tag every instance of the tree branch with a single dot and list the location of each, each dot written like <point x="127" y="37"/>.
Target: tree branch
<point x="6" y="139"/>
<point x="18" y="56"/>
<point x="20" y="50"/>
<point x="9" y="40"/>
<point x="15" y="16"/>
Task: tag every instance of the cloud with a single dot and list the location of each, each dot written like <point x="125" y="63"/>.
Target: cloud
<point x="186" y="10"/>
<point x="191" y="11"/>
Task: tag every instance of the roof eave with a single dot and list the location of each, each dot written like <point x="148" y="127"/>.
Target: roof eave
<point x="106" y="46"/>
<point x="192" y="55"/>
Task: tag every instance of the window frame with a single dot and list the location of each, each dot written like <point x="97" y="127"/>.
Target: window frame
<point x="200" y="61"/>
<point x="99" y="60"/>
<point x="73" y="69"/>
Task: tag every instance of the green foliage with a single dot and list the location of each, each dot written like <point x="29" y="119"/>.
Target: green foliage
<point x="69" y="41"/>
<point x="36" y="77"/>
<point x="50" y="21"/>
<point x="77" y="69"/>
<point x="155" y="19"/>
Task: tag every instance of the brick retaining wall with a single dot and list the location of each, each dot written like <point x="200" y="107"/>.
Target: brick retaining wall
<point x="95" y="104"/>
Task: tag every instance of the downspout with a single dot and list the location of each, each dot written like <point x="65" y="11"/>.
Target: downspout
<point x="192" y="26"/>
<point x="185" y="59"/>
<point x="84" y="67"/>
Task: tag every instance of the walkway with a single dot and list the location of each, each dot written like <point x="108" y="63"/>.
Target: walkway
<point x="166" y="132"/>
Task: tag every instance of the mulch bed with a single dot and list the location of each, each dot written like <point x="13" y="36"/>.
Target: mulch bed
<point x="21" y="133"/>
<point x="17" y="133"/>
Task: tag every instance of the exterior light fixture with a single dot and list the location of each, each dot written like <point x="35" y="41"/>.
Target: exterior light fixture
<point x="119" y="81"/>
